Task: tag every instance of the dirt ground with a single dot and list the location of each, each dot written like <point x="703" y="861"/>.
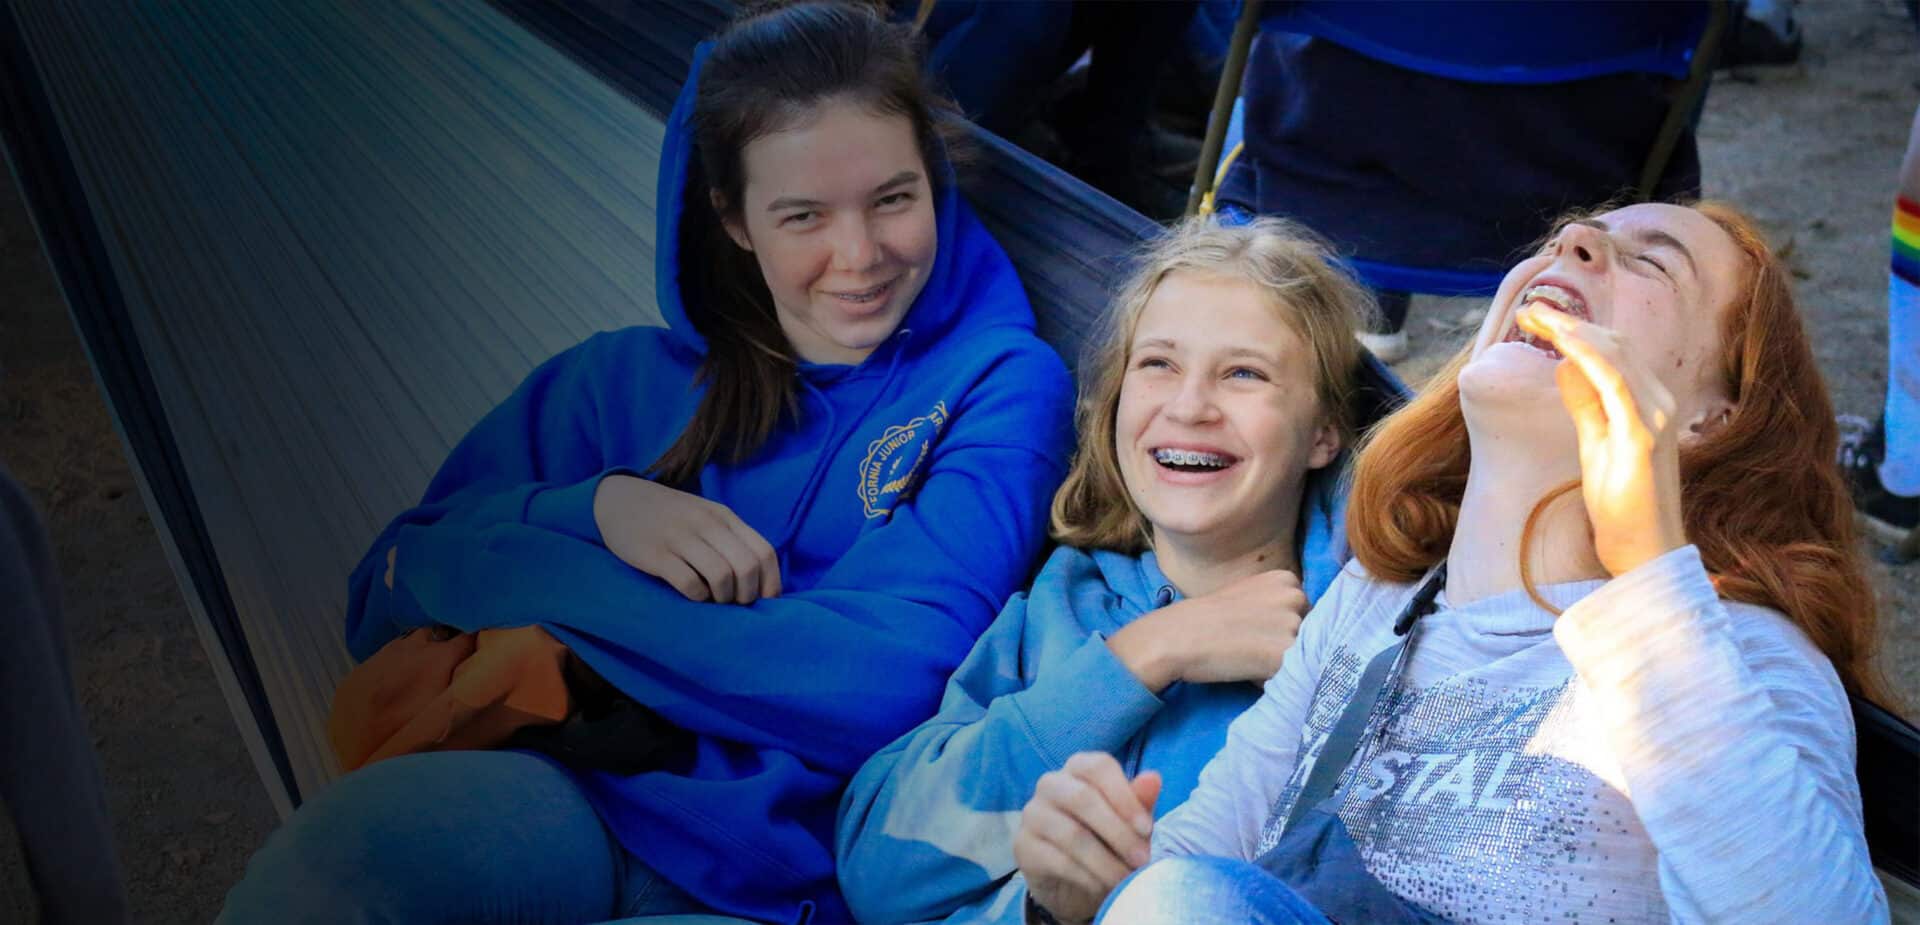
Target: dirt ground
<point x="187" y="806"/>
<point x="1812" y="149"/>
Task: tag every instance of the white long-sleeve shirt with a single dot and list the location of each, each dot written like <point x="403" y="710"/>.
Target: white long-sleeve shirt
<point x="1653" y="754"/>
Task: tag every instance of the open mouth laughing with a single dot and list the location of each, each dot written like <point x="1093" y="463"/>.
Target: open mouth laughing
<point x="1552" y="295"/>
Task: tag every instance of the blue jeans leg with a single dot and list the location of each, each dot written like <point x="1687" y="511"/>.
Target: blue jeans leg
<point x="1206" y="891"/>
<point x="475" y="836"/>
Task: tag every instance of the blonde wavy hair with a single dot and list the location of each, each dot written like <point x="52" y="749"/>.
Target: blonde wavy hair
<point x="1307" y="292"/>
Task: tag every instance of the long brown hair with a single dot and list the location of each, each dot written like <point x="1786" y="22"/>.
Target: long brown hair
<point x="768" y="69"/>
<point x="1296" y="271"/>
<point x="1762" y="498"/>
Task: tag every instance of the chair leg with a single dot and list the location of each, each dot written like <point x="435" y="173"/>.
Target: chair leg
<point x="1243" y="32"/>
<point x="1686" y="98"/>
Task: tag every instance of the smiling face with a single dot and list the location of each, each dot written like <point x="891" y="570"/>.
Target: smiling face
<point x="1218" y="421"/>
<point x="838" y="212"/>
<point x="1660" y="275"/>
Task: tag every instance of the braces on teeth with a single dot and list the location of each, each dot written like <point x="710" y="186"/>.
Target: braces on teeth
<point x="1188" y="458"/>
<point x="1555" y="296"/>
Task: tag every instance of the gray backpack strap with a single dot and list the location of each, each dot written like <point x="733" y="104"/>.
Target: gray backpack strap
<point x="1375" y="679"/>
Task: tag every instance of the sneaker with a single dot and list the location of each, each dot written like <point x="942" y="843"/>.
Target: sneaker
<point x="1390" y="347"/>
<point x="1755" y="44"/>
<point x="1887" y="516"/>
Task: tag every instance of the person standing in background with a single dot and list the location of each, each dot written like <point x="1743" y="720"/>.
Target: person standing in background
<point x="50" y="781"/>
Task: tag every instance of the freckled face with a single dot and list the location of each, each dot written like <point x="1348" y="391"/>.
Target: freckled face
<point x="838" y="212"/>
<point x="1658" y="274"/>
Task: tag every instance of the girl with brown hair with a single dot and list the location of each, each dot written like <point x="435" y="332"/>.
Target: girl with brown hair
<point x="836" y="455"/>
<point x="1593" y="656"/>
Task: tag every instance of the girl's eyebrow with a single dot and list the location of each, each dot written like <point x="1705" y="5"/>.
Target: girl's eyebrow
<point x="1255" y="353"/>
<point x="1166" y="343"/>
<point x="793" y="202"/>
<point x="1656" y="238"/>
<point x="902" y="178"/>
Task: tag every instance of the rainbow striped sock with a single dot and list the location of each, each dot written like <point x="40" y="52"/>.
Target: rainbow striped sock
<point x="1900" y="470"/>
<point x="1906" y="240"/>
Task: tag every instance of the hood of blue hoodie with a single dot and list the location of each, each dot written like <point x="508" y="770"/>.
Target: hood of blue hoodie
<point x="951" y="298"/>
<point x="971" y="288"/>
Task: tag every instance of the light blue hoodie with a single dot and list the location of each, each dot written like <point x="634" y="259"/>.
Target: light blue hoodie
<point x="926" y="828"/>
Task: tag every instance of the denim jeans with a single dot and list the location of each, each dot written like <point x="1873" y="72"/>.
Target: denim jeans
<point x="1313" y="876"/>
<point x="473" y="836"/>
<point x="1206" y="891"/>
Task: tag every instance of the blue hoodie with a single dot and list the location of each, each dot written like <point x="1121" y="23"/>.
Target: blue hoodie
<point x="906" y="503"/>
<point x="926" y="828"/>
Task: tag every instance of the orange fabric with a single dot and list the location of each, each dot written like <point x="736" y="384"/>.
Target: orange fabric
<point x="467" y="691"/>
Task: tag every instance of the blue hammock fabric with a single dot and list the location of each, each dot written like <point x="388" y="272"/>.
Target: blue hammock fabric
<point x="307" y="245"/>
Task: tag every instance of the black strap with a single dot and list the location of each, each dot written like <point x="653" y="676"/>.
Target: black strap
<point x="607" y="731"/>
<point x="1379" y="675"/>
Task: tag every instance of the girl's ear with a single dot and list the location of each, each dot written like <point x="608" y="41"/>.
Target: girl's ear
<point x="735" y="230"/>
<point x="1326" y="444"/>
<point x="1710" y="418"/>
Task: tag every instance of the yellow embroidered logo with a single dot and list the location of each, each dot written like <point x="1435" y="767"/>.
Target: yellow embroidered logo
<point x="887" y="474"/>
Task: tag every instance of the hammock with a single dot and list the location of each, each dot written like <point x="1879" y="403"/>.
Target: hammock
<point x="307" y="245"/>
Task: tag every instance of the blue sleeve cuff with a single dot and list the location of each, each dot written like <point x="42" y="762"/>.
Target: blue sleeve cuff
<point x="406" y="611"/>
<point x="427" y="564"/>
<point x="1090" y="702"/>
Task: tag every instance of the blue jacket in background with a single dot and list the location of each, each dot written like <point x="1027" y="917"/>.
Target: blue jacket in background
<point x="906" y="503"/>
<point x="926" y="828"/>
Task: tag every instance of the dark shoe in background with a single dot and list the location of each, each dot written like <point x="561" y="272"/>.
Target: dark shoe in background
<point x="1752" y="43"/>
<point x="1889" y="517"/>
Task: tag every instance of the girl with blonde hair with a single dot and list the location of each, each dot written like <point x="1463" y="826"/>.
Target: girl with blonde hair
<point x="1192" y="541"/>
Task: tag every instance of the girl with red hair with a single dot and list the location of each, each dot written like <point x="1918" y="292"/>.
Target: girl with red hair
<point x="1593" y="655"/>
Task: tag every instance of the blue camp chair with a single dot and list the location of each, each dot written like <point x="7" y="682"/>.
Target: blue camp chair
<point x="1506" y="43"/>
<point x="297" y="293"/>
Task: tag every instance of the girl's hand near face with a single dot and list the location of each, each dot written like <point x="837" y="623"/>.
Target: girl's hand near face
<point x="1629" y="432"/>
<point x="1083" y="832"/>
<point x="699" y="547"/>
<point x="1238" y="633"/>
